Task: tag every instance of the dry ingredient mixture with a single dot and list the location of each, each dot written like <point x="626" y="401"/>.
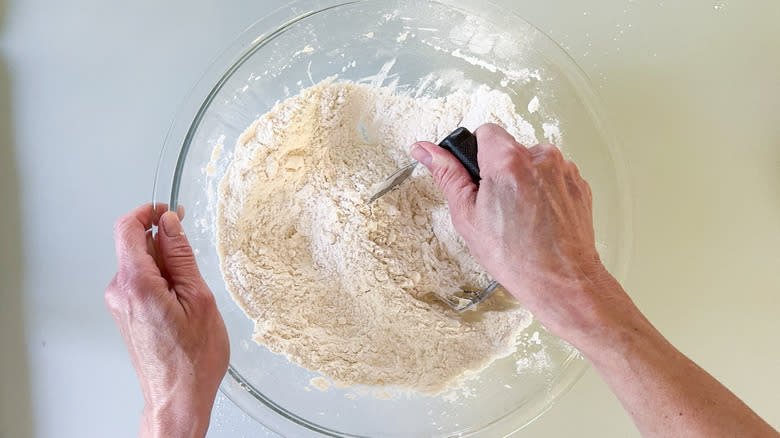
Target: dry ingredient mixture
<point x="342" y="287"/>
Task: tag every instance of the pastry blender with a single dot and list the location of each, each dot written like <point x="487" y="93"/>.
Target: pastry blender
<point x="463" y="145"/>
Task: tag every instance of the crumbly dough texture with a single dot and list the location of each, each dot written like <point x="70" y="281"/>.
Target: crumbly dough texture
<point x="342" y="287"/>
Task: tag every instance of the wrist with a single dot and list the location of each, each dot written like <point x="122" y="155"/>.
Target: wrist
<point x="603" y="318"/>
<point x="581" y="309"/>
<point x="179" y="419"/>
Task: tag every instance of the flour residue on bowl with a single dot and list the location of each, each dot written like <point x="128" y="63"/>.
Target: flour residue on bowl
<point x="211" y="166"/>
<point x="341" y="287"/>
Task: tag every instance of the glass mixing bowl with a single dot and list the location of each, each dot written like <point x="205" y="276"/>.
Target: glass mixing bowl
<point x="400" y="43"/>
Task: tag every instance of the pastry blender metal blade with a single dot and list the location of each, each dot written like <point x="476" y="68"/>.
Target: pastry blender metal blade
<point x="392" y="181"/>
<point x="466" y="299"/>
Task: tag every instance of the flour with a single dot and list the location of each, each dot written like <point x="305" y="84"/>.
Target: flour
<point x="533" y="105"/>
<point x="344" y="288"/>
<point x="552" y="133"/>
<point x="320" y="383"/>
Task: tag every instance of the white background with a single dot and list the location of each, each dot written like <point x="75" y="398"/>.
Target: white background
<point x="89" y="87"/>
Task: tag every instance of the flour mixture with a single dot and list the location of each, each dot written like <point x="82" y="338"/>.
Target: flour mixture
<point x="344" y="288"/>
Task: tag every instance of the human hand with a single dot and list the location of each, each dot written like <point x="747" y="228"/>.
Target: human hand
<point x="529" y="222"/>
<point x="169" y="321"/>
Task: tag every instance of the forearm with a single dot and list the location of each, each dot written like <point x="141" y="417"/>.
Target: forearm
<point x="666" y="394"/>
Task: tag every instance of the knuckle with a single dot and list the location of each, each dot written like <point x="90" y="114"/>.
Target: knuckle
<point x="455" y="187"/>
<point x="551" y="151"/>
<point x="548" y="156"/>
<point x="113" y="296"/>
<point x="586" y="186"/>
<point x="181" y="252"/>
<point x="190" y="284"/>
<point x="206" y="298"/>
<point x="491" y="132"/>
<point x="510" y="162"/>
<point x="443" y="176"/>
<point x="180" y="258"/>
<point x="122" y="227"/>
<point x="508" y="171"/>
<point x="119" y="226"/>
<point x="200" y="296"/>
<point x="489" y="129"/>
<point x="572" y="168"/>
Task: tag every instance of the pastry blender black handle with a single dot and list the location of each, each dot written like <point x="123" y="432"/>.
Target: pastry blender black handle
<point x="463" y="144"/>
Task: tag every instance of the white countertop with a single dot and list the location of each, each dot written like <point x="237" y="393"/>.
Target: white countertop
<point x="88" y="89"/>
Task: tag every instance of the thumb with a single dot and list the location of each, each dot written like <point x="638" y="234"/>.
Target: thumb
<point x="176" y="253"/>
<point x="449" y="175"/>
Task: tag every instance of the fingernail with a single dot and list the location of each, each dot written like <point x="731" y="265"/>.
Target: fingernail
<point x="171" y="225"/>
<point x="422" y="155"/>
